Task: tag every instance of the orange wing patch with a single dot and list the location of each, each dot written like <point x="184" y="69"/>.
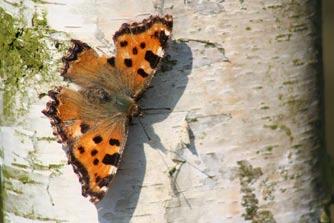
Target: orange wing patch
<point x="139" y="48"/>
<point x="86" y="68"/>
<point x="64" y="112"/>
<point x="96" y="156"/>
<point x="94" y="147"/>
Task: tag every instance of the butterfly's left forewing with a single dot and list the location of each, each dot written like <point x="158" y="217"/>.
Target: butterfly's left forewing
<point x="84" y="67"/>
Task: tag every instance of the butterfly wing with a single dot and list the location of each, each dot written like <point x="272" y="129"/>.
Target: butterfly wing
<point x="139" y="48"/>
<point x="94" y="143"/>
<point x="91" y="127"/>
<point x="87" y="69"/>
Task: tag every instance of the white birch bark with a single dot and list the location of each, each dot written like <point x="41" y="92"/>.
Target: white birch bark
<point x="241" y="142"/>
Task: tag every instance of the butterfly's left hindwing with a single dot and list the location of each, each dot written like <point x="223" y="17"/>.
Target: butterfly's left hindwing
<point x="94" y="147"/>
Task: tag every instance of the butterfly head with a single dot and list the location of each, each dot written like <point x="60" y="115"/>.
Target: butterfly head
<point x="134" y="110"/>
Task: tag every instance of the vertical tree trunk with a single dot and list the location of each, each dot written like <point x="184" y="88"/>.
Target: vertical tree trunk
<point x="242" y="141"/>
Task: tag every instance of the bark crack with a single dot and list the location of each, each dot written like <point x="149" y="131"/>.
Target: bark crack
<point x="208" y="44"/>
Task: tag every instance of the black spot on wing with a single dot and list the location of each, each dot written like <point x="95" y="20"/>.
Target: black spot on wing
<point x="93" y="152"/>
<point x="142" y="72"/>
<point x="142" y="45"/>
<point x="111" y="159"/>
<point x="152" y="58"/>
<point x="97" y="139"/>
<point x="114" y="142"/>
<point x="96" y="161"/>
<point x="128" y="62"/>
<point x="111" y="61"/>
<point x="124" y="43"/>
<point x="134" y="50"/>
<point x="84" y="128"/>
<point x="81" y="149"/>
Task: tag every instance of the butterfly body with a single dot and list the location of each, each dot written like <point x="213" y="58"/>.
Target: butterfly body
<point x="112" y="101"/>
<point x="92" y="122"/>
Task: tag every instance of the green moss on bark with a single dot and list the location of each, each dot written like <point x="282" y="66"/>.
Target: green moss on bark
<point x="29" y="58"/>
<point x="25" y="62"/>
<point x="248" y="175"/>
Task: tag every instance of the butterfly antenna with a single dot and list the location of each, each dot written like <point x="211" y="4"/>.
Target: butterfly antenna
<point x="173" y="174"/>
<point x="156" y="109"/>
<point x="163" y="108"/>
<point x="142" y="125"/>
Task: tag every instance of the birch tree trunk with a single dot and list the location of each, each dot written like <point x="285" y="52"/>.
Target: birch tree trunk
<point x="241" y="144"/>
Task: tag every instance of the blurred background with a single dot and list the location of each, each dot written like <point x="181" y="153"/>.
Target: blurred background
<point x="328" y="58"/>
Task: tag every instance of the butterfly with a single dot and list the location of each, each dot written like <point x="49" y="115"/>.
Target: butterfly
<point x="92" y="122"/>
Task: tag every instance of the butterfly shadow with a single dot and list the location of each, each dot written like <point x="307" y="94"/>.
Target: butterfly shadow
<point x="167" y="88"/>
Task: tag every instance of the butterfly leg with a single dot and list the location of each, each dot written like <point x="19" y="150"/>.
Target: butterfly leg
<point x="142" y="125"/>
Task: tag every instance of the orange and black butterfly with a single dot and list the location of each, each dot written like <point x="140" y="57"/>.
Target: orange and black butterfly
<point x="92" y="122"/>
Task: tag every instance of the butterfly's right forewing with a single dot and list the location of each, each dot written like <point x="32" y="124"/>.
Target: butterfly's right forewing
<point x="140" y="48"/>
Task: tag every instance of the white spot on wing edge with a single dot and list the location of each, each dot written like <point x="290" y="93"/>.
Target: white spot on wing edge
<point x="104" y="188"/>
<point x="112" y="170"/>
<point x="160" y="52"/>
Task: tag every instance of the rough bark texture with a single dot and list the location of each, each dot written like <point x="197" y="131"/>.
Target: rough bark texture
<point x="242" y="140"/>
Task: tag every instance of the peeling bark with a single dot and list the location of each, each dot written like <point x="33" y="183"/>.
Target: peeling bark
<point x="242" y="79"/>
